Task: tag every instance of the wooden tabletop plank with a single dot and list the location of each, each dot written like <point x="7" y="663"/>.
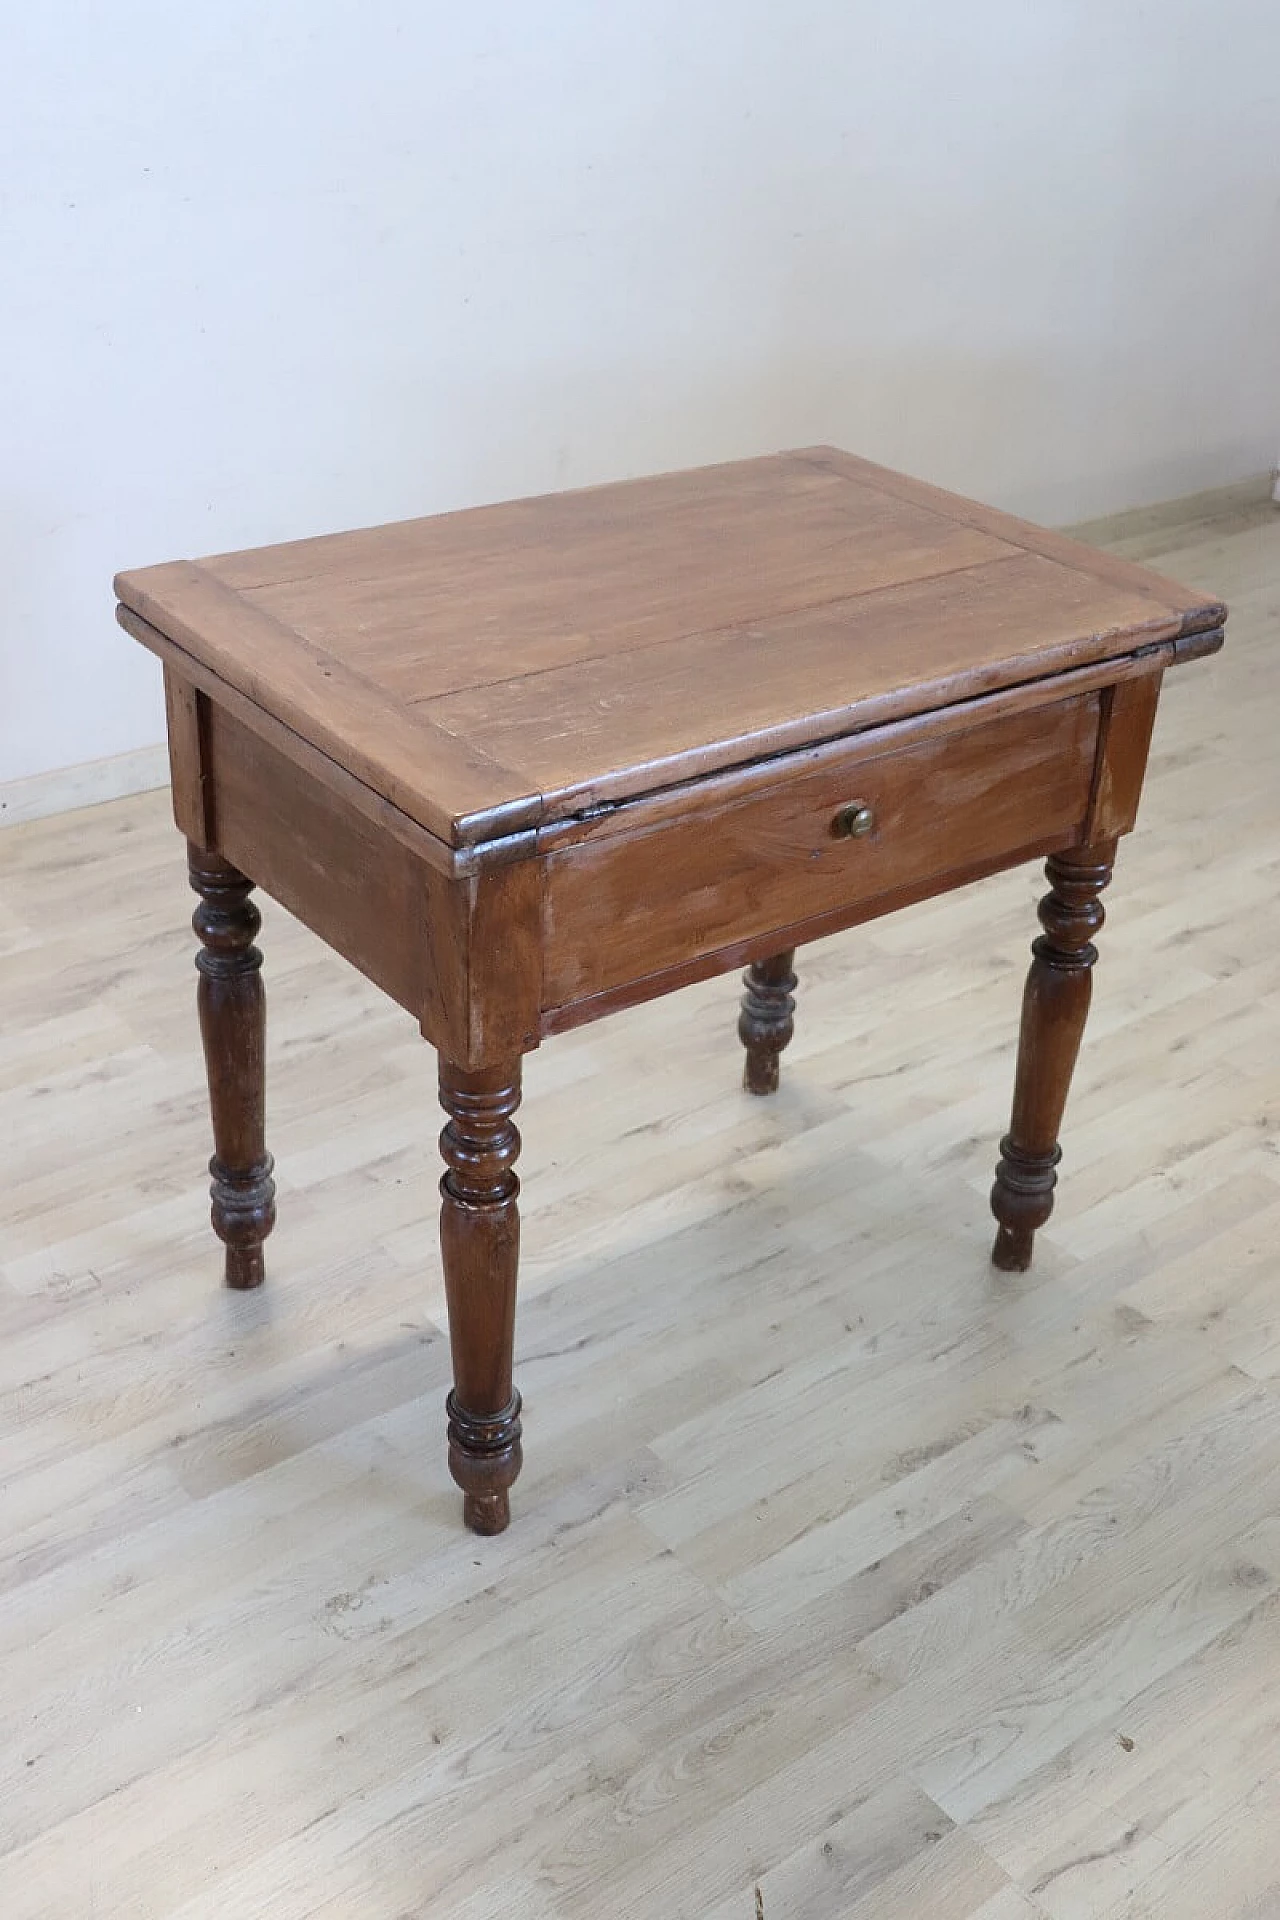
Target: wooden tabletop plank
<point x="435" y="778"/>
<point x="519" y="532"/>
<point x="633" y="579"/>
<point x="605" y="728"/>
<point x="488" y="669"/>
<point x="1200" y="612"/>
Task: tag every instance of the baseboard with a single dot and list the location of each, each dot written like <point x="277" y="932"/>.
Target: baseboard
<point x="84" y="786"/>
<point x="1192" y="509"/>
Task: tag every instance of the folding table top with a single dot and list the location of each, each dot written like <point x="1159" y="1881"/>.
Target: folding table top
<point x="491" y="669"/>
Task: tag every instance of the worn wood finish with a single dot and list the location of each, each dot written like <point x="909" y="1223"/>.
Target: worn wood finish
<point x="328" y="703"/>
<point x="190" y="680"/>
<point x="765" y="1024"/>
<point x="187" y="719"/>
<point x="498" y="1014"/>
<point x="796" y="1595"/>
<point x="480" y="1245"/>
<point x="1055" y="1006"/>
<point x="734" y="785"/>
<point x="603" y="729"/>
<point x="361" y="890"/>
<point x="651" y="986"/>
<point x="232" y="1010"/>
<point x="621" y="908"/>
<point x="489" y="670"/>
<point x="459" y="953"/>
<point x="1124" y="740"/>
<point x="525" y="765"/>
<point x="1196" y="613"/>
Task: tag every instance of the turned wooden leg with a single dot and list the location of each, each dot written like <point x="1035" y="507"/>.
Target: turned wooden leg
<point x="480" y="1242"/>
<point x="232" y="1010"/>
<point x="1054" y="1007"/>
<point x="765" y="1024"/>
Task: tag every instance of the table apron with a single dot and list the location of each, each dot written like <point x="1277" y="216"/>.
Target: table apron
<point x="686" y="897"/>
<point x="488" y="961"/>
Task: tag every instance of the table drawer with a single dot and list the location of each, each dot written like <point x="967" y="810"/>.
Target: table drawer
<point x="767" y="852"/>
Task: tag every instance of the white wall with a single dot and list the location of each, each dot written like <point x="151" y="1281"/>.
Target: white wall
<point x="272" y="269"/>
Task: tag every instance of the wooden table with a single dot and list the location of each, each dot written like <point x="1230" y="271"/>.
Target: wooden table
<point x="529" y="763"/>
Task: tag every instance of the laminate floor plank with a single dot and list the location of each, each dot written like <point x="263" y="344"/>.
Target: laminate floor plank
<point x="847" y="1579"/>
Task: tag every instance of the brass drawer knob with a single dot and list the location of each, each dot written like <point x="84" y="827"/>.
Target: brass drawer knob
<point x="853" y="821"/>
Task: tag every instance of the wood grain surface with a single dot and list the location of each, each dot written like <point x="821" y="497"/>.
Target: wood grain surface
<point x="490" y="669"/>
<point x="626" y="906"/>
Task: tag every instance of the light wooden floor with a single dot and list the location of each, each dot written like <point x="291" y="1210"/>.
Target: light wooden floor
<point x="848" y="1578"/>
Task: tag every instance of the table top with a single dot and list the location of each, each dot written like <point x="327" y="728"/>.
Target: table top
<point x="494" y="668"/>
